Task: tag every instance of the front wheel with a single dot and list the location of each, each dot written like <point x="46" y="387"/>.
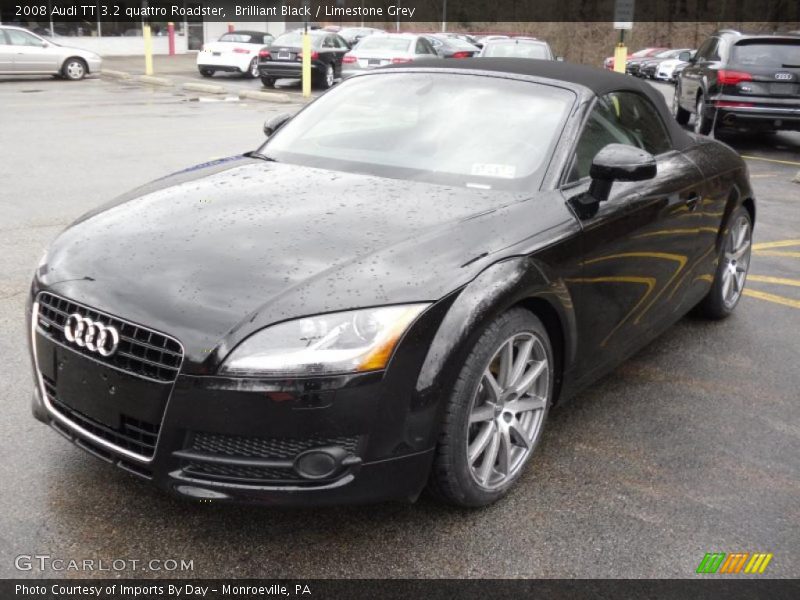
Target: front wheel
<point x="681" y="114"/>
<point x="74" y="69"/>
<point x="734" y="262"/>
<point x="495" y="413"/>
<point x="702" y="124"/>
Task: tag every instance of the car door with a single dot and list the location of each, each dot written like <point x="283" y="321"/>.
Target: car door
<point x="638" y="247"/>
<point x="32" y="54"/>
<point x="6" y="54"/>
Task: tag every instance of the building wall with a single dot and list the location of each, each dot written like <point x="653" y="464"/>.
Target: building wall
<point x="122" y="45"/>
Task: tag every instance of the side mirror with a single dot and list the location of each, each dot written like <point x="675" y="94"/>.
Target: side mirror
<point x="272" y="125"/>
<point x="619" y="162"/>
<point x="685" y="56"/>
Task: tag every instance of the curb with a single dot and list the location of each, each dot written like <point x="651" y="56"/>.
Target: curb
<point x="277" y="97"/>
<point x="152" y="80"/>
<point x="207" y="88"/>
<point x="796" y="178"/>
<point x="115" y="74"/>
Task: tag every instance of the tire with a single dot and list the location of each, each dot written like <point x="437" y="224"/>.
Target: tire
<point x="681" y="114"/>
<point x="327" y="78"/>
<point x="268" y="82"/>
<point x="74" y="69"/>
<point x="702" y="124"/>
<point x="252" y="69"/>
<point x="207" y="72"/>
<point x="733" y="264"/>
<point x="502" y="440"/>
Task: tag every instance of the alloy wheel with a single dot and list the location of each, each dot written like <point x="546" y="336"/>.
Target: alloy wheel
<point x="254" y="68"/>
<point x="699" y="119"/>
<point x="507" y="411"/>
<point x="329" y="76"/>
<point x="736" y="261"/>
<point x="75" y="70"/>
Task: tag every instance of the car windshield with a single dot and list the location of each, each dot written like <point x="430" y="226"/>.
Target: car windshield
<point x="453" y="129"/>
<point x="385" y="43"/>
<point x="767" y="54"/>
<point x="515" y="49"/>
<point x="241" y="38"/>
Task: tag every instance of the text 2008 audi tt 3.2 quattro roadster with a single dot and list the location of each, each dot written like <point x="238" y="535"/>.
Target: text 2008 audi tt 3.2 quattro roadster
<point x="393" y="291"/>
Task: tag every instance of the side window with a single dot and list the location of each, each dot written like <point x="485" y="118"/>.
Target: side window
<point x="22" y="38"/>
<point x="619" y="118"/>
<point x="602" y="128"/>
<point x="637" y="115"/>
<point x="3" y="40"/>
<point x="420" y="47"/>
<point x="702" y="51"/>
<point x="716" y="51"/>
<point x="328" y="42"/>
<point x="341" y="42"/>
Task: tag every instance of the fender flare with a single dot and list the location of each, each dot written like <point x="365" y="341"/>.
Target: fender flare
<point x="516" y="281"/>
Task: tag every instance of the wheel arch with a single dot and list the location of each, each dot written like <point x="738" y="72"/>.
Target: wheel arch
<point x="515" y="282"/>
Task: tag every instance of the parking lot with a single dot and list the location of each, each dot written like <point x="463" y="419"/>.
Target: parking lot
<point x="690" y="447"/>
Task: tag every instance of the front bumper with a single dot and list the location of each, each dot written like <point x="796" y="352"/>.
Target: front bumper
<point x="307" y="441"/>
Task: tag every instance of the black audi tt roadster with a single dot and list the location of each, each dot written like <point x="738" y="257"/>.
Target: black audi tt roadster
<point x="392" y="292"/>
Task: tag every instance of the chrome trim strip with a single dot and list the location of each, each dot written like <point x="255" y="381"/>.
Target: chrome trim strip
<point x="71" y="425"/>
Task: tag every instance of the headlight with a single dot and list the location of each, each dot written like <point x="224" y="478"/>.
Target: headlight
<point x="345" y="342"/>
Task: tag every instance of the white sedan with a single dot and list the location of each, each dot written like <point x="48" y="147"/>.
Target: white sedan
<point x="234" y="52"/>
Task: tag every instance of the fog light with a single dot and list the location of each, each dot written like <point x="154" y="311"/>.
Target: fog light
<point x="316" y="464"/>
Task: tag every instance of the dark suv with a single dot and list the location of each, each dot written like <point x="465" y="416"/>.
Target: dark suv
<point x="742" y="81"/>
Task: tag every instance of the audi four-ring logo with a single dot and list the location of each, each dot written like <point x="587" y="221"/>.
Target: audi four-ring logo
<point x="91" y="335"/>
<point x="783" y="76"/>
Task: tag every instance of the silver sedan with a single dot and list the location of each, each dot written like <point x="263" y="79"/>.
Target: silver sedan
<point x="381" y="49"/>
<point x="25" y="53"/>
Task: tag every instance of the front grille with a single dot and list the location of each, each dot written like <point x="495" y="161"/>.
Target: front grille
<point x="133" y="435"/>
<point x="141" y="351"/>
<point x="235" y="446"/>
<point x="253" y="447"/>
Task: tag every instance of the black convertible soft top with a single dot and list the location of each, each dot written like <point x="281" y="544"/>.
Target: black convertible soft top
<point x="599" y="81"/>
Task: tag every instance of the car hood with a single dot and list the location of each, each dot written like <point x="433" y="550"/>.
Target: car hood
<point x="218" y="250"/>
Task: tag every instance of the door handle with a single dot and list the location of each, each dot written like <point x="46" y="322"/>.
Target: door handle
<point x="692" y="201"/>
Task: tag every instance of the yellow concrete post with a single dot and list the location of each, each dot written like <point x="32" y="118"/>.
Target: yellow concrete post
<point x="306" y="64"/>
<point x="148" y="50"/>
<point x="620" y="57"/>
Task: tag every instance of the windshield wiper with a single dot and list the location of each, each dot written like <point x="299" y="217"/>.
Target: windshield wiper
<point x="261" y="156"/>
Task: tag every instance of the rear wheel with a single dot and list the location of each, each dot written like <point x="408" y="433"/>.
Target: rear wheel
<point x="702" y="124"/>
<point x="252" y="70"/>
<point x="74" y="69"/>
<point x="731" y="275"/>
<point x="207" y="72"/>
<point x="327" y="78"/>
<point x="681" y="114"/>
<point x="495" y="413"/>
<point x="268" y="82"/>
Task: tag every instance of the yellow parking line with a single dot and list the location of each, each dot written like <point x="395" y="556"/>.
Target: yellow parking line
<point x="776" y="280"/>
<point x="778" y="253"/>
<point x="773" y="160"/>
<point x="779" y="244"/>
<point x="772" y="298"/>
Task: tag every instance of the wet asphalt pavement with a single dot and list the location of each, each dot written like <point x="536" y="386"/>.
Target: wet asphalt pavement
<point x="691" y="447"/>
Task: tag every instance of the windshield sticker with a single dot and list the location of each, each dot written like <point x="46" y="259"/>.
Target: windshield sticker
<point x="493" y="170"/>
